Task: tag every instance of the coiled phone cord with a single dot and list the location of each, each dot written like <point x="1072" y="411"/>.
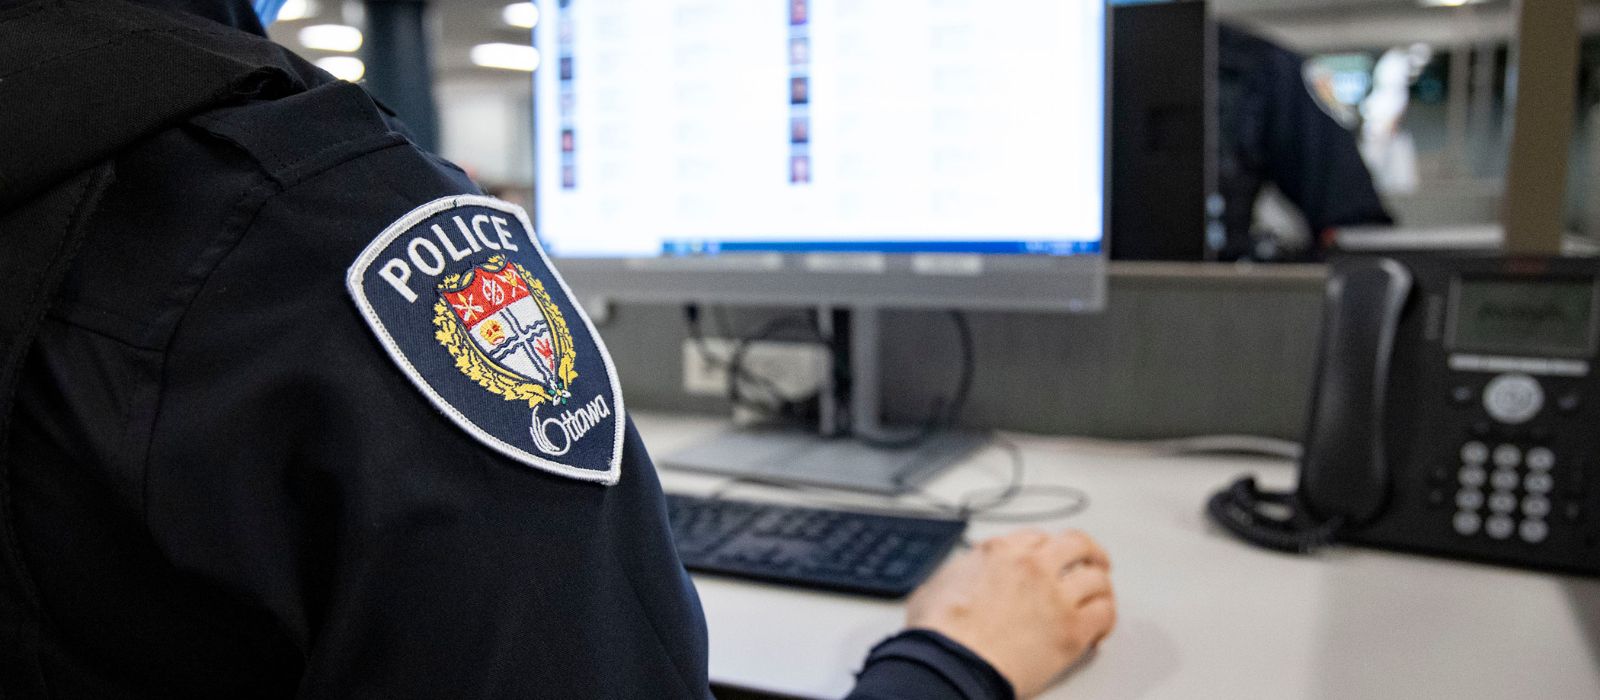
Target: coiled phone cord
<point x="1272" y="519"/>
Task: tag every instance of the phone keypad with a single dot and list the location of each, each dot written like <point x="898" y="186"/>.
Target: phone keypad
<point x="1504" y="492"/>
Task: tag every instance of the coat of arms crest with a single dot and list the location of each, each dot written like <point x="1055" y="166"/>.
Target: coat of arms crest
<point x="506" y="333"/>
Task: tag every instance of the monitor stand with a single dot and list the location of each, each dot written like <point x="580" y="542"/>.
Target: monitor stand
<point x="853" y="452"/>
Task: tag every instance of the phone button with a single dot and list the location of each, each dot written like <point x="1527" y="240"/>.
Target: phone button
<point x="1535" y="506"/>
<point x="1533" y="531"/>
<point x="1499" y="526"/>
<point x="1507" y="456"/>
<point x="1513" y="398"/>
<point x="1541" y="459"/>
<point x="1469" y="499"/>
<point x="1472" y="475"/>
<point x="1504" y="479"/>
<point x="1539" y="483"/>
<point x="1502" y="502"/>
<point x="1467" y="523"/>
<point x="1474" y="452"/>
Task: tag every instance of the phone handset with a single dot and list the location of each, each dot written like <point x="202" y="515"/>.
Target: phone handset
<point x="1344" y="473"/>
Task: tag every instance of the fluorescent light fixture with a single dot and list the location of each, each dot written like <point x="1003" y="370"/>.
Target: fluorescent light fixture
<point x="297" y="9"/>
<point x="343" y="67"/>
<point x="507" y="56"/>
<point x="523" y="15"/>
<point x="1449" y="3"/>
<point x="331" y="37"/>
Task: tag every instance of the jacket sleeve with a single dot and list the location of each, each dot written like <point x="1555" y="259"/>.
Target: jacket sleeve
<point x="296" y="468"/>
<point x="925" y="665"/>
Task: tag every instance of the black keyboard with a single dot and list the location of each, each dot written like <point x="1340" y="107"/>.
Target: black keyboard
<point x="877" y="555"/>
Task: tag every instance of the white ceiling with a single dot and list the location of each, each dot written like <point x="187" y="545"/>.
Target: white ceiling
<point x="1307" y="25"/>
<point x="458" y="25"/>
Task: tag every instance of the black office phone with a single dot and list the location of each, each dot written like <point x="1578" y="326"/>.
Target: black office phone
<point x="1455" y="411"/>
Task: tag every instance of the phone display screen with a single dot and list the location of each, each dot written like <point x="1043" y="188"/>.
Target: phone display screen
<point x="1540" y="317"/>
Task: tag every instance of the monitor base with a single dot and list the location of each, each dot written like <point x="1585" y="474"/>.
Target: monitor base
<point x="773" y="455"/>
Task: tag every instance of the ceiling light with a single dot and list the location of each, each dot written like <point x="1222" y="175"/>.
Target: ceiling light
<point x="297" y="9"/>
<point x="343" y="67"/>
<point x="523" y="15"/>
<point x="1449" y="3"/>
<point x="331" y="37"/>
<point x="507" y="56"/>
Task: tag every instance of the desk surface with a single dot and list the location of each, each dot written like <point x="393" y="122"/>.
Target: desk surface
<point x="1201" y="615"/>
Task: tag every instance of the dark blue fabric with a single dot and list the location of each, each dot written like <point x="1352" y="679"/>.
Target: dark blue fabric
<point x="1271" y="130"/>
<point x="921" y="663"/>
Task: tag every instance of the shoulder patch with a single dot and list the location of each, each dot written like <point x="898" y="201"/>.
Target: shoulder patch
<point x="467" y="303"/>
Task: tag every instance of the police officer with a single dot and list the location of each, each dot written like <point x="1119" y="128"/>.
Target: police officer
<point x="1272" y="130"/>
<point x="288" y="409"/>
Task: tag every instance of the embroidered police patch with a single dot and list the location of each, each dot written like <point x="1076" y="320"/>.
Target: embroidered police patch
<point x="466" y="302"/>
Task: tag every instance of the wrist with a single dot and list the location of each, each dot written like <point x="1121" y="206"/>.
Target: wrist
<point x="961" y="667"/>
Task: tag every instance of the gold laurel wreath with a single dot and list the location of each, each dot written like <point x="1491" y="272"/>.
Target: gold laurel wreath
<point x="477" y="366"/>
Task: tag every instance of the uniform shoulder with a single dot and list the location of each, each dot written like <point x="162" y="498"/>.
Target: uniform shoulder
<point x="294" y="137"/>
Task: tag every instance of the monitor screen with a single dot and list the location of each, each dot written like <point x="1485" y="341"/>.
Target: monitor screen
<point x="701" y="127"/>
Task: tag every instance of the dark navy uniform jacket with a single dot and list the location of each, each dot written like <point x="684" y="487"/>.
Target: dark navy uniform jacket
<point x="1271" y="130"/>
<point x="216" y="481"/>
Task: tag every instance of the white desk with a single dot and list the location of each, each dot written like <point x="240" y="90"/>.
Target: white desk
<point x="1201" y="615"/>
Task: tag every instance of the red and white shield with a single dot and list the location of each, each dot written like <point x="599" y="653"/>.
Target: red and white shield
<point x="507" y="324"/>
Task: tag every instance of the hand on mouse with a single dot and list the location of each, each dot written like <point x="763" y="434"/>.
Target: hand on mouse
<point x="1029" y="603"/>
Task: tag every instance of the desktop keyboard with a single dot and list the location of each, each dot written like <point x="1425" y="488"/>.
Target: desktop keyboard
<point x="877" y="555"/>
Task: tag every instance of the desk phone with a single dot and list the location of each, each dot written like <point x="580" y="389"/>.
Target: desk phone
<point x="1455" y="411"/>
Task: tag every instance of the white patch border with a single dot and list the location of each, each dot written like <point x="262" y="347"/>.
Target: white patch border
<point x="356" y="286"/>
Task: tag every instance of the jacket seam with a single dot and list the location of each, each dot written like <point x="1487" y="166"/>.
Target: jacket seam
<point x="237" y="228"/>
<point x="12" y="542"/>
<point x="655" y="631"/>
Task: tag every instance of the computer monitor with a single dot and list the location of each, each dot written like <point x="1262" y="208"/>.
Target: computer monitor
<point x="944" y="153"/>
<point x="826" y="153"/>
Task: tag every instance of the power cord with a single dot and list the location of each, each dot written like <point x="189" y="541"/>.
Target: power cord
<point x="988" y="504"/>
<point x="774" y="403"/>
<point x="767" y="330"/>
<point x="944" y="413"/>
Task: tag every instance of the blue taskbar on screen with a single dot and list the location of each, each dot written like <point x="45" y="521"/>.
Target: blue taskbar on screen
<point x="713" y="247"/>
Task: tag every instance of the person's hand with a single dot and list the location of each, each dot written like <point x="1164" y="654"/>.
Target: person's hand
<point x="1028" y="603"/>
